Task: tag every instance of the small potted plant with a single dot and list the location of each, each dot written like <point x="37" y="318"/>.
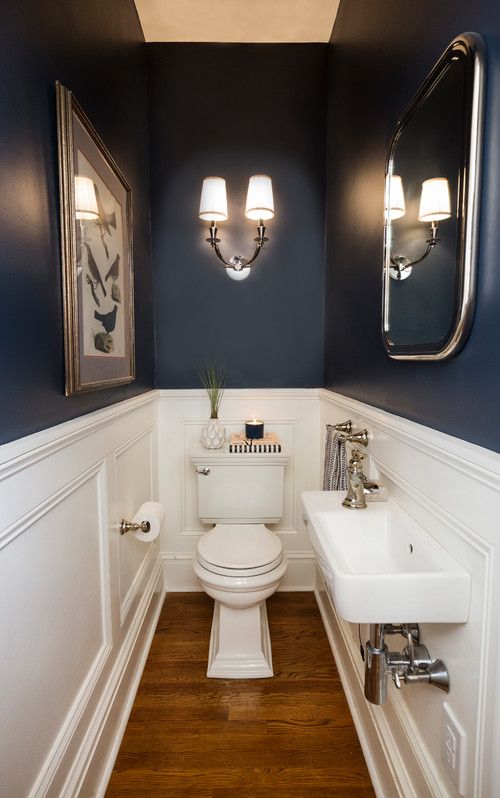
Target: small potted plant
<point x="213" y="379"/>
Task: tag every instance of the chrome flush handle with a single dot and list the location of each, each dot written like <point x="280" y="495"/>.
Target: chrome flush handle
<point x="203" y="470"/>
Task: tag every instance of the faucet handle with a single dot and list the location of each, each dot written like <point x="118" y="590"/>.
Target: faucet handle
<point x="345" y="426"/>
<point x="358" y="437"/>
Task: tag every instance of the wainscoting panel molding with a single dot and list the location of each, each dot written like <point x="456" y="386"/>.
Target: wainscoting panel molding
<point x="293" y="414"/>
<point x="452" y="489"/>
<point x="79" y="601"/>
<point x="132" y="485"/>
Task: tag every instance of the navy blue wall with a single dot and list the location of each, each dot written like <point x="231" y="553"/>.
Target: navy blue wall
<point x="233" y="111"/>
<point x="379" y="54"/>
<point x="97" y="50"/>
<point x="236" y="110"/>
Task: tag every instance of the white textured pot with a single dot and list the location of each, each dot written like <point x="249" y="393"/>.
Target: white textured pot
<point x="213" y="434"/>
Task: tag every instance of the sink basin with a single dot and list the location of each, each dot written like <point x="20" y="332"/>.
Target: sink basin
<point x="380" y="566"/>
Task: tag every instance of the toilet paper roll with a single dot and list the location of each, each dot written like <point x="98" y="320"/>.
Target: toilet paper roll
<point x="154" y="514"/>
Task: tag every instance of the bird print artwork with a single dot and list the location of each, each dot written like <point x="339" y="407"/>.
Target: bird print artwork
<point x="92" y="290"/>
<point x="114" y="269"/>
<point x="115" y="292"/>
<point x="108" y="320"/>
<point x="105" y="220"/>
<point x="104" y="286"/>
<point x="94" y="269"/>
<point x="104" y="342"/>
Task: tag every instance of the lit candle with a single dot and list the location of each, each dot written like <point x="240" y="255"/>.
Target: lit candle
<point x="254" y="430"/>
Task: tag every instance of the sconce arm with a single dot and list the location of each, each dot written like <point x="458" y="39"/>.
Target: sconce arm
<point x="214" y="243"/>
<point x="401" y="263"/>
<point x="260" y="241"/>
<point x="237" y="262"/>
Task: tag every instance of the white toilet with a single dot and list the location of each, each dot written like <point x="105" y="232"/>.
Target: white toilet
<point x="239" y="562"/>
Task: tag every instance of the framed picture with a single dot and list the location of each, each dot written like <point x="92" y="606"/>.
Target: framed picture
<point x="96" y="243"/>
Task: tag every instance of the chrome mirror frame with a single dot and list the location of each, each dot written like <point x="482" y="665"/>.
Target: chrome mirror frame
<point x="472" y="46"/>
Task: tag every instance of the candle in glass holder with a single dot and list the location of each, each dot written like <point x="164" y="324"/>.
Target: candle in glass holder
<point x="254" y="430"/>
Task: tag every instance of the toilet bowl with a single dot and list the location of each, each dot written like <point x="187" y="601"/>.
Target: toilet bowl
<point x="240" y="562"/>
<point x="240" y="566"/>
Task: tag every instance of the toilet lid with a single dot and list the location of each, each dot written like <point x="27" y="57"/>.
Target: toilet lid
<point x="240" y="547"/>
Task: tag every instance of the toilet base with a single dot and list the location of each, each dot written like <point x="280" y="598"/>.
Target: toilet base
<point x="240" y="645"/>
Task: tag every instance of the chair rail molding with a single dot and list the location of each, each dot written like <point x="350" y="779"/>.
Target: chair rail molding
<point x="452" y="488"/>
<point x="84" y="600"/>
<point x="292" y="413"/>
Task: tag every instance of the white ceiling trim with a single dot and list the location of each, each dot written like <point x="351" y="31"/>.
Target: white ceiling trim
<point x="242" y="21"/>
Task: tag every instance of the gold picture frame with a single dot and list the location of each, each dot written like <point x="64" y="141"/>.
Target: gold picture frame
<point x="97" y="268"/>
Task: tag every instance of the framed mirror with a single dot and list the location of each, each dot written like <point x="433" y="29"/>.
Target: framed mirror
<point x="432" y="194"/>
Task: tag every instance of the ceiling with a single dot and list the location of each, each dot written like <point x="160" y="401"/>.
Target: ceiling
<point x="278" y="21"/>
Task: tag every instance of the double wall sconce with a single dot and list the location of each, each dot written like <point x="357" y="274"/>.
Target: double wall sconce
<point x="259" y="208"/>
<point x="434" y="207"/>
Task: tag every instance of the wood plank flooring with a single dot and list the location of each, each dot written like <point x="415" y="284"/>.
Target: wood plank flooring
<point x="291" y="736"/>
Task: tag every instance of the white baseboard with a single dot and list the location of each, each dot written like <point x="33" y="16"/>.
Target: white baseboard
<point x="394" y="751"/>
<point x="447" y="485"/>
<point x="84" y="598"/>
<point x="300" y="574"/>
<point x="452" y="489"/>
<point x="178" y="572"/>
<point x="292" y="413"/>
<point x="108" y="727"/>
<point x="180" y="577"/>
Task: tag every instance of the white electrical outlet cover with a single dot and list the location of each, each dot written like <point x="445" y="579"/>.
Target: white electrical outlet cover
<point x="453" y="748"/>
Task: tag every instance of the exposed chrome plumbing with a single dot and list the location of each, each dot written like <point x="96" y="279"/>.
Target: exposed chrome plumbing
<point x="412" y="665"/>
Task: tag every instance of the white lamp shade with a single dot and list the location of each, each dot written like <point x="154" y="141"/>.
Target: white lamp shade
<point x="435" y="200"/>
<point x="396" y="198"/>
<point x="85" y="198"/>
<point x="260" y="202"/>
<point x="213" y="202"/>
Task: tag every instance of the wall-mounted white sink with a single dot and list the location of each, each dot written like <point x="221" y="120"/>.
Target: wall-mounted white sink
<point x="381" y="566"/>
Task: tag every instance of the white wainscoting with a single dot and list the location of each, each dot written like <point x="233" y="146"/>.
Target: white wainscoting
<point x="293" y="414"/>
<point x="452" y="488"/>
<point x="79" y="602"/>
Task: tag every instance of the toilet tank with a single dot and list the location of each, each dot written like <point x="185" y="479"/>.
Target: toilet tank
<point x="239" y="488"/>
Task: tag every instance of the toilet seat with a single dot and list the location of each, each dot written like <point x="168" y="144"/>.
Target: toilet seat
<point x="240" y="550"/>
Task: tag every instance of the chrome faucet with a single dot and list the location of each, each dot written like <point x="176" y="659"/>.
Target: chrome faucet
<point x="360" y="487"/>
<point x="356" y="497"/>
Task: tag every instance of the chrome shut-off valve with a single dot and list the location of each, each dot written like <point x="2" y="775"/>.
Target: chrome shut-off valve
<point x="411" y="666"/>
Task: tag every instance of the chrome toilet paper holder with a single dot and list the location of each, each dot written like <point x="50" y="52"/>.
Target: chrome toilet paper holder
<point x="130" y="526"/>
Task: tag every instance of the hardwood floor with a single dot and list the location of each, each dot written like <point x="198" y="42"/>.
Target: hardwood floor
<point x="291" y="736"/>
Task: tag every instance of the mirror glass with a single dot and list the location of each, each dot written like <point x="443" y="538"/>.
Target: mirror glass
<point x="431" y="209"/>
